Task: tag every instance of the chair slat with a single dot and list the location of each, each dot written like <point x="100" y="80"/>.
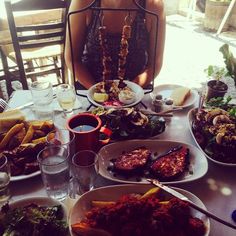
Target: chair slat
<point x="41" y="36"/>
<point x="40" y="27"/>
<point x="41" y="44"/>
<point x="31" y="5"/>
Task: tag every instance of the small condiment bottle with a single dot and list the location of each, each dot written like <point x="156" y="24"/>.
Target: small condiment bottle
<point x="158" y="103"/>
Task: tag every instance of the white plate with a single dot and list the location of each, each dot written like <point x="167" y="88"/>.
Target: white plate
<point x="166" y="89"/>
<point x="22" y="177"/>
<point x="113" y="193"/>
<point x="40" y="201"/>
<point x="135" y="88"/>
<point x="190" y="120"/>
<point x="198" y="162"/>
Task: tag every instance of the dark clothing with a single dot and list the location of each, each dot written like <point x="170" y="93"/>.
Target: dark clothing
<point x="137" y="57"/>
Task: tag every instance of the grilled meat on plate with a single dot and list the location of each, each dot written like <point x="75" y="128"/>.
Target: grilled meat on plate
<point x="133" y="161"/>
<point x="171" y="165"/>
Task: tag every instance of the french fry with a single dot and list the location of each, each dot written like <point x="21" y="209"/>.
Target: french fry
<point x="14" y="130"/>
<point x="102" y="203"/>
<point x="151" y="192"/>
<point x="40" y="140"/>
<point x="84" y="229"/>
<point x="29" y="135"/>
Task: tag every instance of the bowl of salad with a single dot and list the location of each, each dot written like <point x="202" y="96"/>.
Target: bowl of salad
<point x="34" y="216"/>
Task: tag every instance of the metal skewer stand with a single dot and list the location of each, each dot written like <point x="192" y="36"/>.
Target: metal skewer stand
<point x="93" y="7"/>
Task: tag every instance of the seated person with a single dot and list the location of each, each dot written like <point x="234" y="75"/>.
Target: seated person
<point x="91" y="53"/>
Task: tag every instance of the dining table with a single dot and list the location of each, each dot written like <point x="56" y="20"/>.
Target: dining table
<point x="216" y="189"/>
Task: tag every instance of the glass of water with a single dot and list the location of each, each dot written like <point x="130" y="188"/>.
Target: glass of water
<point x="42" y="95"/>
<point x="54" y="166"/>
<point x="4" y="179"/>
<point x="85" y="170"/>
<point x="66" y="98"/>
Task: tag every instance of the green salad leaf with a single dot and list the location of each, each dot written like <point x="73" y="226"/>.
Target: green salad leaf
<point x="33" y="220"/>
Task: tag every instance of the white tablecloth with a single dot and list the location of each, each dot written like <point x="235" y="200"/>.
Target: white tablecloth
<point x="217" y="189"/>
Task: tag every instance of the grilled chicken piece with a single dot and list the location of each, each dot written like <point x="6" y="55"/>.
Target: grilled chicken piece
<point x="133" y="161"/>
<point x="171" y="165"/>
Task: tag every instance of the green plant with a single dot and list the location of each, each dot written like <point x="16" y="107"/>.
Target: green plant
<point x="230" y="61"/>
<point x="215" y="72"/>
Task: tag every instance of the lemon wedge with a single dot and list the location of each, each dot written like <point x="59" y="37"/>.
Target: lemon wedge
<point x="100" y="97"/>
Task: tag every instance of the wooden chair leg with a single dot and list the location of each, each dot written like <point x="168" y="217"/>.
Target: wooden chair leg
<point x="58" y="73"/>
<point x="31" y="68"/>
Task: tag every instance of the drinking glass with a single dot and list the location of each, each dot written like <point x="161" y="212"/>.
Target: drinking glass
<point x="54" y="164"/>
<point x="62" y="137"/>
<point x="85" y="170"/>
<point x="66" y="98"/>
<point x="42" y="95"/>
<point x="4" y="179"/>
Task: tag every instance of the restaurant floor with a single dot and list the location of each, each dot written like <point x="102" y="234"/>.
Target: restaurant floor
<point x="189" y="50"/>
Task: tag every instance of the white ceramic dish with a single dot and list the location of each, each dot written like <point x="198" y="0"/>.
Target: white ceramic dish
<point x="166" y="89"/>
<point x="22" y="177"/>
<point x="135" y="88"/>
<point x="113" y="193"/>
<point x="190" y="120"/>
<point x="41" y="201"/>
<point x="198" y="162"/>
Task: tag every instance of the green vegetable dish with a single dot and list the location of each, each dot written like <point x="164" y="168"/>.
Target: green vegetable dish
<point x="129" y="123"/>
<point x="33" y="220"/>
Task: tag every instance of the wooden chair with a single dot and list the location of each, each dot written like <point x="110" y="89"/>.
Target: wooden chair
<point x="36" y="43"/>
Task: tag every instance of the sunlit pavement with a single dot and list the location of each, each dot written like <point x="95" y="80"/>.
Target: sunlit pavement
<point x="189" y="50"/>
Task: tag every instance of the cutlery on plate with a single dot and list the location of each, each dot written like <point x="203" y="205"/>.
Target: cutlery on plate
<point x="191" y="204"/>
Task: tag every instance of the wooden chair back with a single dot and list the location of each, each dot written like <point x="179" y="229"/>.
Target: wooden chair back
<point x="48" y="34"/>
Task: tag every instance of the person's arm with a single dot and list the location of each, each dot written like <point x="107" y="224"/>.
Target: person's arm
<point x="146" y="76"/>
<point x="78" y="24"/>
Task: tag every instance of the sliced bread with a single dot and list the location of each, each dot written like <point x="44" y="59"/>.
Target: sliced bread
<point x="179" y="95"/>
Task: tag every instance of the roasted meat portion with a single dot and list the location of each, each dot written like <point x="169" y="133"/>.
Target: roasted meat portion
<point x="170" y="165"/>
<point x="133" y="161"/>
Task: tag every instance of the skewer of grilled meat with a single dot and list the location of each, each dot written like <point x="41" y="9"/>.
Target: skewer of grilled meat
<point x="171" y="165"/>
<point x="124" y="50"/>
<point x="132" y="162"/>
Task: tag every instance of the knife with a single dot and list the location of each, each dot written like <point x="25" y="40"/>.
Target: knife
<point x="191" y="204"/>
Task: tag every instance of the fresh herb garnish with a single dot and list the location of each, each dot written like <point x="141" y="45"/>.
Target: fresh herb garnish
<point x="33" y="220"/>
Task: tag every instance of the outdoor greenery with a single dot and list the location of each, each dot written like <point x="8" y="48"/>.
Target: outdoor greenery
<point x="230" y="61"/>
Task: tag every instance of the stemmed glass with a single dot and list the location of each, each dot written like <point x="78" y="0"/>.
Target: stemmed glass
<point x="66" y="98"/>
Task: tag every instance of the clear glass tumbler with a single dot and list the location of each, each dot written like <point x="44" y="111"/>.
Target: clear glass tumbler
<point x="42" y="95"/>
<point x="54" y="165"/>
<point x="66" y="98"/>
<point x="62" y="137"/>
<point x="85" y="170"/>
<point x="4" y="179"/>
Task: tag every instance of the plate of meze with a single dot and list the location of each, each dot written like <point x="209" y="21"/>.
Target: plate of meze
<point x="166" y="91"/>
<point x="114" y="193"/>
<point x="220" y="154"/>
<point x="113" y="100"/>
<point x="194" y="166"/>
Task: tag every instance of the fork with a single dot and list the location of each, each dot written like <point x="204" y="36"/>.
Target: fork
<point x="3" y="104"/>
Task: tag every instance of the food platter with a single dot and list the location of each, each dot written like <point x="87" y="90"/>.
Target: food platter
<point x="113" y="193"/>
<point x="20" y="144"/>
<point x="166" y="89"/>
<point x="22" y="177"/>
<point x="196" y="169"/>
<point x="190" y="116"/>
<point x="34" y="210"/>
<point x="139" y="94"/>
